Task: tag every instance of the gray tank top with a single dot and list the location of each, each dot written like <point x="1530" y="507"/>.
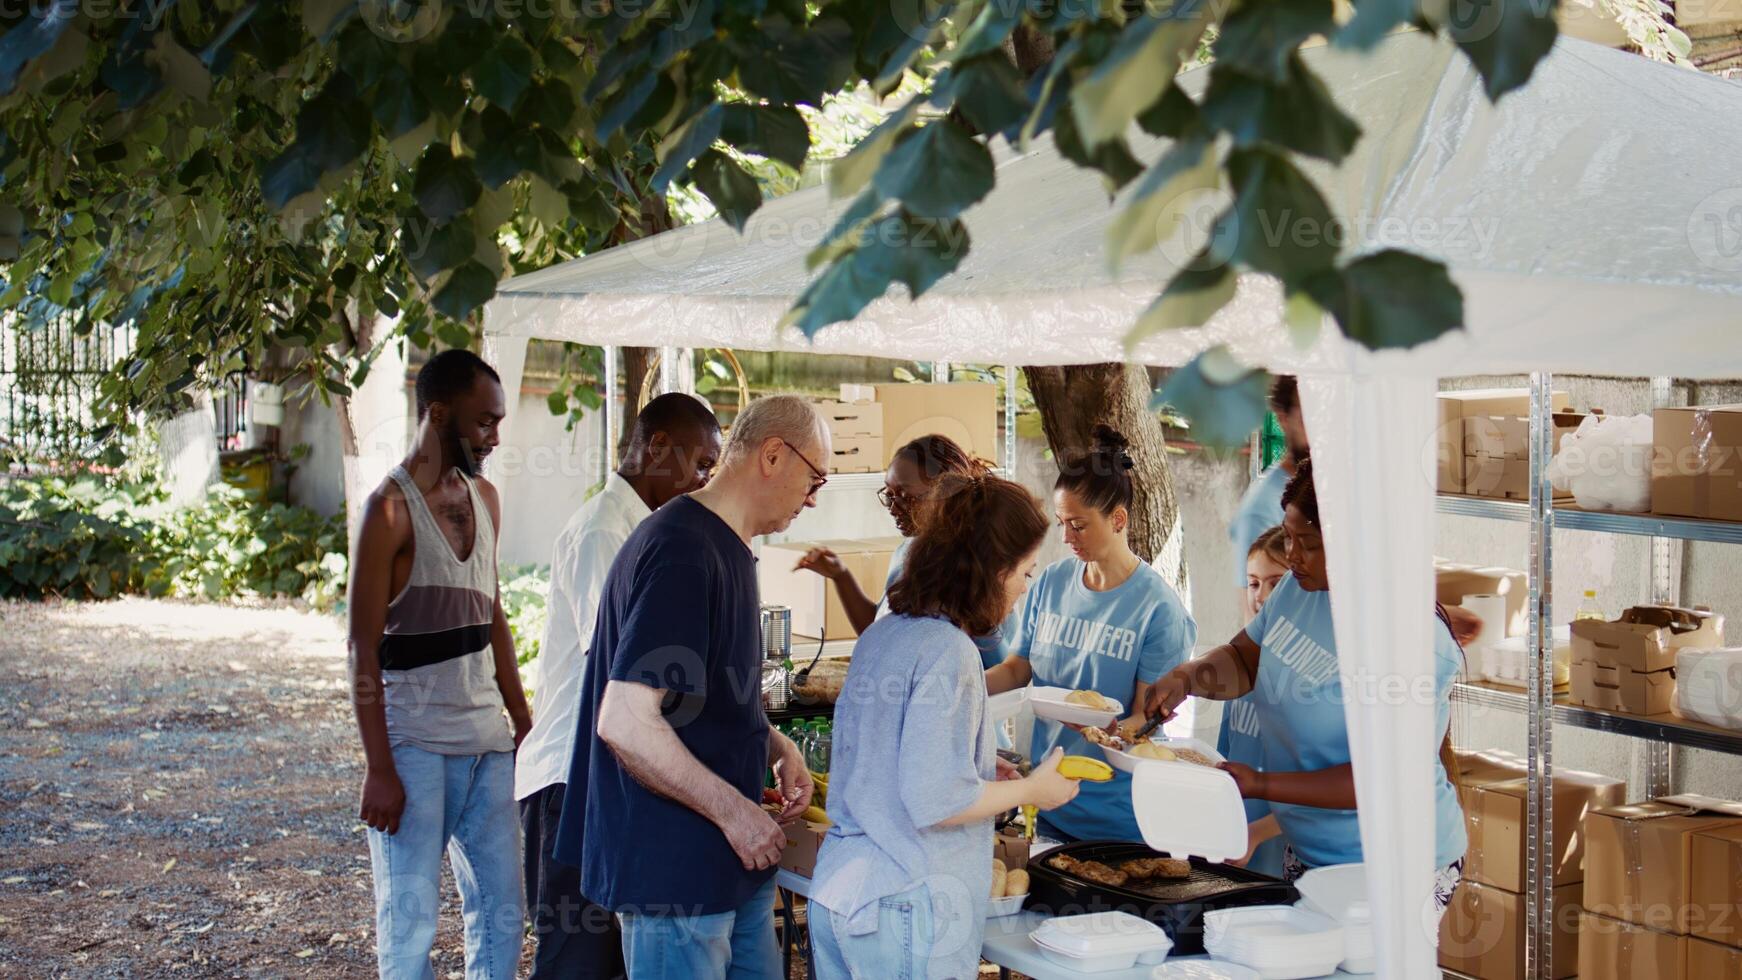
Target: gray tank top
<point x="437" y="668"/>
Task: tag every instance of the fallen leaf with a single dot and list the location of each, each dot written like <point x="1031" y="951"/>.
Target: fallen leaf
<point x="168" y="865"/>
<point x="35" y="723"/>
<point x="15" y="880"/>
<point x="90" y="825"/>
<point x="109" y="893"/>
<point x="305" y="954"/>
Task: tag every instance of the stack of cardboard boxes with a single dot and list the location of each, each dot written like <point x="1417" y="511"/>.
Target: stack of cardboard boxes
<point x="856" y="433"/>
<point x="1629" y="665"/>
<point x="1663" y="890"/>
<point x="1484" y="929"/>
<point x="816" y="605"/>
<point x="967" y="412"/>
<point x="1484" y="440"/>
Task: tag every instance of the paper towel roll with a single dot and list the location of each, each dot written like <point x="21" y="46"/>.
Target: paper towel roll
<point x="1491" y="610"/>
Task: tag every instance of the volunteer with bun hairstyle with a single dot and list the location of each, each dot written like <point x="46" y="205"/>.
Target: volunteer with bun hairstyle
<point x="905" y="873"/>
<point x="1287" y="658"/>
<point x="1100" y="620"/>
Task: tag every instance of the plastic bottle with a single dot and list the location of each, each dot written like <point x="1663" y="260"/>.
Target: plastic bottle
<point x="1589" y="608"/>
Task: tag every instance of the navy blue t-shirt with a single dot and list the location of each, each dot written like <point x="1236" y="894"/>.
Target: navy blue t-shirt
<point x="679" y="613"/>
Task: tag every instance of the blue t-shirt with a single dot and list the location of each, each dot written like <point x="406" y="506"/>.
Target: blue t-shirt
<point x="1260" y="510"/>
<point x="1300" y="715"/>
<point x="679" y="613"/>
<point x="1102" y="641"/>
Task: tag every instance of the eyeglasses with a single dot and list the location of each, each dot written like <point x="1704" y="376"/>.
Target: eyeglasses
<point x="893" y="499"/>
<point x="818" y="478"/>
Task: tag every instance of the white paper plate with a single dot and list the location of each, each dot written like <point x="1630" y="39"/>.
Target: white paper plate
<point x="1050" y="703"/>
<point x="1008" y="905"/>
<point x="1126" y="762"/>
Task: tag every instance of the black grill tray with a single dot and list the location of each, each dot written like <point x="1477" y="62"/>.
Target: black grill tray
<point x="1176" y="906"/>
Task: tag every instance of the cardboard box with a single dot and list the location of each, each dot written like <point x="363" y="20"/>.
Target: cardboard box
<point x="1482" y="933"/>
<point x="1696" y="462"/>
<point x="1455" y="406"/>
<point x="1494" y="802"/>
<point x="1452" y="582"/>
<point x="857" y="454"/>
<point x="849" y="419"/>
<point x="967" y="412"/>
<point x="1509" y="435"/>
<point x="856" y="394"/>
<point x="1646" y="638"/>
<point x="1503" y="477"/>
<point x="1012" y="849"/>
<point x="1711" y="961"/>
<point x="1639" y="856"/>
<point x="1630" y="692"/>
<point x="815" y="603"/>
<point x="1610" y="949"/>
<point x="1449" y="446"/>
<point x="804" y="840"/>
<point x="1716" y="889"/>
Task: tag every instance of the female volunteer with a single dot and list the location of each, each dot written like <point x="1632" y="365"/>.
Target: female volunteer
<point x="1266" y="565"/>
<point x="910" y="494"/>
<point x="1290" y="650"/>
<point x="902" y="882"/>
<point x="1101" y="620"/>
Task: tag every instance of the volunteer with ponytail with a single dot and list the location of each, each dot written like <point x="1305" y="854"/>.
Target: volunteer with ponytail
<point x="1101" y="620"/>
<point x="905" y="874"/>
<point x="1287" y="657"/>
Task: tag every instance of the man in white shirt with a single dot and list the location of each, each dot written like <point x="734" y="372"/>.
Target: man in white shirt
<point x="672" y="450"/>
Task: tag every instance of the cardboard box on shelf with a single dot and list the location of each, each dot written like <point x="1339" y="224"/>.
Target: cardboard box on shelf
<point x="1620" y="689"/>
<point x="1449" y="446"/>
<point x="1452" y="582"/>
<point x="858" y="393"/>
<point x="1482" y="933"/>
<point x="848" y="419"/>
<point x="857" y="454"/>
<point x="1497" y="436"/>
<point x="1646" y="638"/>
<point x="1494" y="794"/>
<point x="1708" y="961"/>
<point x="1501" y="477"/>
<point x="1696" y="462"/>
<point x="967" y="412"/>
<point x="1500" y="401"/>
<point x="804" y="839"/>
<point x="1610" y="949"/>
<point x="815" y="604"/>
<point x="1639" y="856"/>
<point x="1716" y="889"/>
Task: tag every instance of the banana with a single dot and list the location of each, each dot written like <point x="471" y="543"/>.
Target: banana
<point x="816" y="814"/>
<point x="1082" y="767"/>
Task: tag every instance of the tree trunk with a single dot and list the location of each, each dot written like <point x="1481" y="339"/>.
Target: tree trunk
<point x="1072" y="400"/>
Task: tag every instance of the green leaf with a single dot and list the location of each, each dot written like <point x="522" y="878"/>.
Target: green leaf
<point x="1303" y="318"/>
<point x="1134" y="74"/>
<point x="1174" y="115"/>
<point x="397" y="105"/>
<point x="1504" y="41"/>
<point x="790" y="65"/>
<point x="685" y="144"/>
<point x="180" y="68"/>
<point x="844" y="236"/>
<point x="625" y="105"/>
<point x="1113" y="158"/>
<point x="1297" y="115"/>
<point x="990" y="92"/>
<point x="504" y="72"/>
<point x="919" y="27"/>
<point x="1279" y="223"/>
<point x="937" y="172"/>
<point x="1194" y="295"/>
<point x="734" y="192"/>
<point x="1390" y="299"/>
<point x="318" y="15"/>
<point x="558" y="402"/>
<point x="851" y="172"/>
<point x="995" y="22"/>
<point x="915" y="251"/>
<point x="431" y="251"/>
<point x="778" y="132"/>
<point x="1261" y="37"/>
<point x="1373" y="20"/>
<point x="1222" y="415"/>
<point x="1153" y="211"/>
<point x="444" y="185"/>
<point x="31" y="37"/>
<point x="467" y="289"/>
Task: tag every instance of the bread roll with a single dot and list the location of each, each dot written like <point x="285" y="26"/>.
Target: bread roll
<point x="1016" y="883"/>
<point x="998" y="879"/>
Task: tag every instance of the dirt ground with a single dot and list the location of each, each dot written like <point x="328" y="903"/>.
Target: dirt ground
<point x="178" y="784"/>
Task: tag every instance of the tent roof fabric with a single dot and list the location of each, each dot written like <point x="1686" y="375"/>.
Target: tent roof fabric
<point x="1596" y="207"/>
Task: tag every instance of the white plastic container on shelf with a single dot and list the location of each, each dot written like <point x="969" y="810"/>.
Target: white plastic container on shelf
<point x="1279" y="942"/>
<point x="1339" y="893"/>
<point x="1050" y="703"/>
<point x="1126" y="762"/>
<point x="1102" y="941"/>
<point x="1708" y="686"/>
<point x="1507" y="661"/>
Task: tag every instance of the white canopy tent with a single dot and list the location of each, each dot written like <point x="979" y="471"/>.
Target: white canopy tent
<point x="1593" y="220"/>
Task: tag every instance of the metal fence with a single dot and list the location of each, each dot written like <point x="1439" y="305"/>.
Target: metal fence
<point x="49" y="379"/>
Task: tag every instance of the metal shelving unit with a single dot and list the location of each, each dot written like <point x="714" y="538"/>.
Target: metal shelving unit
<point x="1537" y="701"/>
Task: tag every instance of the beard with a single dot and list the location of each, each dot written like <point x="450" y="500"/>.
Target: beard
<point x="459" y="451"/>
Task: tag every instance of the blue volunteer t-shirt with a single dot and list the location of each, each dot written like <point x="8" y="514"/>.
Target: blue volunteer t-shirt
<point x="1299" y="698"/>
<point x="679" y="613"/>
<point x="1260" y="510"/>
<point x="1102" y="641"/>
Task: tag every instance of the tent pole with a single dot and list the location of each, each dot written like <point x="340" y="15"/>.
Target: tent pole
<point x="613" y="414"/>
<point x="669" y="370"/>
<point x="940" y="372"/>
<point x="1010" y="396"/>
<point x="1539" y="840"/>
<point x="1666" y="564"/>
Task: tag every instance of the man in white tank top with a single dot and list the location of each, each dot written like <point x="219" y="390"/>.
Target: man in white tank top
<point x="433" y="671"/>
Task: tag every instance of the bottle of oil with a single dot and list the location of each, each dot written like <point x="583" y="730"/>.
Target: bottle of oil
<point x="1589" y="608"/>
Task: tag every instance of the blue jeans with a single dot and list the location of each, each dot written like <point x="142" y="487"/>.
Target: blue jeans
<point x="904" y="947"/>
<point x="738" y="945"/>
<point x="463" y="804"/>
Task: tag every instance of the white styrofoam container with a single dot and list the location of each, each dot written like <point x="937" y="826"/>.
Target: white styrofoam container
<point x="1189" y="811"/>
<point x="1339" y="893"/>
<point x="1126" y="762"/>
<point x="1008" y="905"/>
<point x="1280" y="942"/>
<point x="1003" y="707"/>
<point x="1101" y="941"/>
<point x="1202" y="970"/>
<point x="1050" y="703"/>
<point x="1708" y="686"/>
<point x="1507" y="661"/>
